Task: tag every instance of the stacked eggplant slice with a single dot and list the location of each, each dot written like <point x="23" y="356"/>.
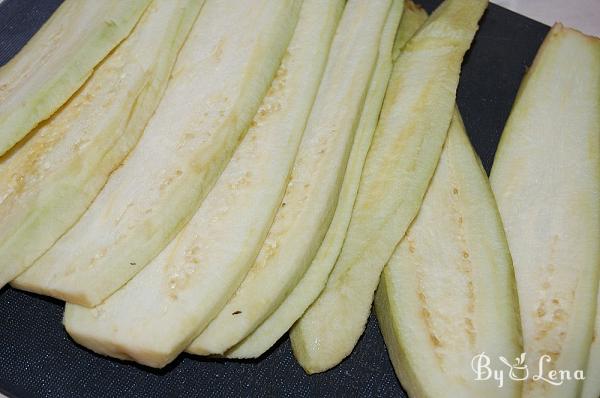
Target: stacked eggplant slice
<point x="207" y="175"/>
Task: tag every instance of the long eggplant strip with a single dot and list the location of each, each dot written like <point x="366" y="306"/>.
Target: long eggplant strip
<point x="546" y="178"/>
<point x="448" y="292"/>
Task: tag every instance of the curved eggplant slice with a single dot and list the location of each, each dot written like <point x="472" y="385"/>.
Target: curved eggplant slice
<point x="448" y="292"/>
<point x="546" y="178"/>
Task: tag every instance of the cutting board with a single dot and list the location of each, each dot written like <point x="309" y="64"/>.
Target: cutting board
<point x="38" y="359"/>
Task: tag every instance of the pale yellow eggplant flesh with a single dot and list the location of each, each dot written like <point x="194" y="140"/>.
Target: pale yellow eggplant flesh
<point x="49" y="182"/>
<point x="313" y="281"/>
<point x="311" y="195"/>
<point x="591" y="385"/>
<point x="413" y="18"/>
<point x="546" y="178"/>
<point x="58" y="59"/>
<point x="406" y="147"/>
<point x="187" y="285"/>
<point x="185" y="147"/>
<point x="448" y="292"/>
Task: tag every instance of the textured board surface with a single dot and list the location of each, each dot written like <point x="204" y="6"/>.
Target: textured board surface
<point x="38" y="359"/>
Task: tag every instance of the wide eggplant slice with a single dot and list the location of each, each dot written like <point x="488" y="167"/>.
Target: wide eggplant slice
<point x="448" y="292"/>
<point x="49" y="182"/>
<point x="162" y="309"/>
<point x="218" y="82"/>
<point x="546" y="178"/>
<point x="309" y="201"/>
<point x="406" y="147"/>
<point x="313" y="281"/>
<point x="57" y="61"/>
